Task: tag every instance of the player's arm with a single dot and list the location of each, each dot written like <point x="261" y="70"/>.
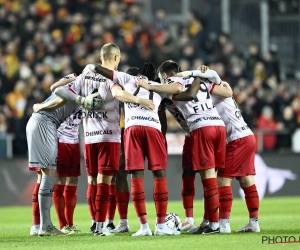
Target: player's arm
<point x="172" y="88"/>
<point x="224" y="91"/>
<point x="61" y="82"/>
<point x="163" y="121"/>
<point x="124" y="96"/>
<point x="208" y="74"/>
<point x="92" y="101"/>
<point x="97" y="68"/>
<point x="51" y="105"/>
<point x="190" y="93"/>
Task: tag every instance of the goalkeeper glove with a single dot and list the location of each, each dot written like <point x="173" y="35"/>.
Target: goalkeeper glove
<point x="92" y="101"/>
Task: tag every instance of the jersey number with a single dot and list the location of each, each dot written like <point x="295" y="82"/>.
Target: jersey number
<point x="203" y="88"/>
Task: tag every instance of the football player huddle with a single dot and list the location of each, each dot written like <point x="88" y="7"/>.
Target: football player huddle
<point x="218" y="145"/>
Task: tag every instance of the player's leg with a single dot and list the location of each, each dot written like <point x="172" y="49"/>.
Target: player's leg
<point x="59" y="202"/>
<point x="45" y="202"/>
<point x="134" y="164"/>
<point x="122" y="192"/>
<point x="156" y="152"/>
<point x="108" y="158"/>
<point x="70" y="197"/>
<point x="225" y="199"/>
<point x="91" y="196"/>
<point x="188" y="194"/>
<point x="138" y="199"/>
<point x="122" y="197"/>
<point x="91" y="166"/>
<point x="188" y="185"/>
<point x="35" y="206"/>
<point x="102" y="201"/>
<point x="247" y="183"/>
<point x="247" y="154"/>
<point x="111" y="205"/>
<point x="211" y="199"/>
<point x="209" y="145"/>
<point x="42" y="152"/>
<point x="160" y="196"/>
<point x="72" y="173"/>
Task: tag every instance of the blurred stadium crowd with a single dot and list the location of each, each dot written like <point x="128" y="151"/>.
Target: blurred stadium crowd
<point x="41" y="41"/>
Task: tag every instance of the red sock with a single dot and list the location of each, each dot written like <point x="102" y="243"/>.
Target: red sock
<point x="93" y="197"/>
<point x="112" y="202"/>
<point x="206" y="215"/>
<point x="35" y="205"/>
<point x="188" y="194"/>
<point x="160" y="196"/>
<point x="90" y="200"/>
<point x="122" y="202"/>
<point x="70" y="203"/>
<point x="225" y="199"/>
<point x="59" y="204"/>
<point x="211" y="196"/>
<point x="252" y="201"/>
<point x="102" y="198"/>
<point x="138" y="198"/>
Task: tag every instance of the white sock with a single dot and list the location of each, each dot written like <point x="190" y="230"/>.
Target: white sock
<point x="124" y="221"/>
<point x="204" y="223"/>
<point x="253" y="221"/>
<point x="109" y="221"/>
<point x="161" y="226"/>
<point x="190" y="220"/>
<point x="144" y="226"/>
<point x="100" y="226"/>
<point x="224" y="221"/>
<point x="214" y="225"/>
<point x="93" y="221"/>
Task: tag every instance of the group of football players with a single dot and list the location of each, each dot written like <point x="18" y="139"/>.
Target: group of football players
<point x="218" y="145"/>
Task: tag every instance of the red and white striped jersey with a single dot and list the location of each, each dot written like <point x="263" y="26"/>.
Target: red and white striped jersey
<point x="68" y="131"/>
<point x="99" y="125"/>
<point x="200" y="112"/>
<point x="230" y="113"/>
<point x="134" y="113"/>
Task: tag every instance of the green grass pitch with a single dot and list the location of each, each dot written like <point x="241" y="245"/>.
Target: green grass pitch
<point x="278" y="217"/>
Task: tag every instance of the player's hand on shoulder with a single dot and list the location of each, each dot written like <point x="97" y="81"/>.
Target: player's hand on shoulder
<point x="146" y="104"/>
<point x="37" y="107"/>
<point x="143" y="83"/>
<point x="203" y="68"/>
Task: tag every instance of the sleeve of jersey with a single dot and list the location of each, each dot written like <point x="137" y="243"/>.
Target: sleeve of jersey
<point x="69" y="76"/>
<point x="75" y="86"/>
<point x="118" y="78"/>
<point x="179" y="80"/>
<point x="212" y="86"/>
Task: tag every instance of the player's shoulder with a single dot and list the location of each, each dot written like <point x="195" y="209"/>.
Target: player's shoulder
<point x="69" y="76"/>
<point x="87" y="68"/>
<point x="182" y="80"/>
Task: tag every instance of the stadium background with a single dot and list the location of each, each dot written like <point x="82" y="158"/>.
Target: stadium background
<point x="254" y="45"/>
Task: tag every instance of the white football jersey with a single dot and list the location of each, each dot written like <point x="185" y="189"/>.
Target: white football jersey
<point x="230" y="113"/>
<point x="168" y="104"/>
<point x="134" y="113"/>
<point x="68" y="131"/>
<point x="200" y="112"/>
<point x="98" y="125"/>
